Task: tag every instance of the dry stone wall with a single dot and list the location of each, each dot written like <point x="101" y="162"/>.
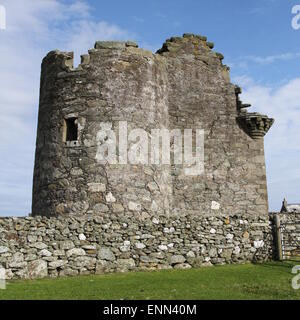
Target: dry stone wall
<point x="34" y="247"/>
<point x="289" y="233"/>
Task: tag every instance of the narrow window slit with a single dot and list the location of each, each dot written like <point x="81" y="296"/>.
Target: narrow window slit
<point x="71" y="129"/>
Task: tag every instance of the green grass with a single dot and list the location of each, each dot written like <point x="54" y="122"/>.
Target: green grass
<point x="248" y="281"/>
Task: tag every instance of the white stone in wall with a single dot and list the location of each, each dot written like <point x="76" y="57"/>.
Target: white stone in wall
<point x="3" y="249"/>
<point x="237" y="250"/>
<point x="125" y="247"/>
<point x="212" y="230"/>
<point x="140" y="245"/>
<point x="215" y="205"/>
<point x="258" y="244"/>
<point x="229" y="236"/>
<point x="82" y="237"/>
<point x="169" y="230"/>
<point x="155" y="221"/>
<point x="162" y="247"/>
<point x="110" y="198"/>
<point x="97" y="187"/>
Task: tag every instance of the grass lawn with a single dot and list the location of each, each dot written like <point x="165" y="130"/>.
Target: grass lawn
<point x="249" y="281"/>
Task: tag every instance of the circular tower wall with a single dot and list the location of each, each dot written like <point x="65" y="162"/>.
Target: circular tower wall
<point x="117" y="85"/>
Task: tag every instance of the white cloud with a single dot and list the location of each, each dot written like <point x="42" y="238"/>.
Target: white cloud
<point x="246" y="61"/>
<point x="273" y="58"/>
<point x="282" y="143"/>
<point x="34" y="27"/>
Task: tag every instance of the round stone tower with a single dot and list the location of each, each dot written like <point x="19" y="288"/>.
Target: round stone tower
<point x="90" y="116"/>
<point x="116" y="86"/>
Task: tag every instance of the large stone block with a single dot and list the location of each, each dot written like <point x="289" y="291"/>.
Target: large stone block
<point x="37" y="269"/>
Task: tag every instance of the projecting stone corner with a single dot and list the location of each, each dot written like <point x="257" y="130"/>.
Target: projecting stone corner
<point x="255" y="124"/>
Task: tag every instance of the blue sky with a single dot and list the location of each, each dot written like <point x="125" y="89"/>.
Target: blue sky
<point x="255" y="36"/>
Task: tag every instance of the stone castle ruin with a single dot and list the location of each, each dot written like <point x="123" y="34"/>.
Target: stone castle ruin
<point x="90" y="216"/>
<point x="183" y="86"/>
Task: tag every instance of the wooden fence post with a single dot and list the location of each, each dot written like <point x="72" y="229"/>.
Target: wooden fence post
<point x="278" y="237"/>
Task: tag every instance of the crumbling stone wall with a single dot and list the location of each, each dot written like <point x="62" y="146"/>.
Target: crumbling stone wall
<point x="183" y="86"/>
<point x="35" y="247"/>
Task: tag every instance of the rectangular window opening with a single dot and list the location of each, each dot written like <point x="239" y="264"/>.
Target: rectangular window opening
<point x="71" y="129"/>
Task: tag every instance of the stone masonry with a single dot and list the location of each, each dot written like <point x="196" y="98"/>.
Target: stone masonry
<point x="90" y="217"/>
<point x="184" y="85"/>
<point x="36" y="247"/>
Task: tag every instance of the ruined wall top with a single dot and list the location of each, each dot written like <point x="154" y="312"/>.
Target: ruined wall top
<point x="189" y="43"/>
